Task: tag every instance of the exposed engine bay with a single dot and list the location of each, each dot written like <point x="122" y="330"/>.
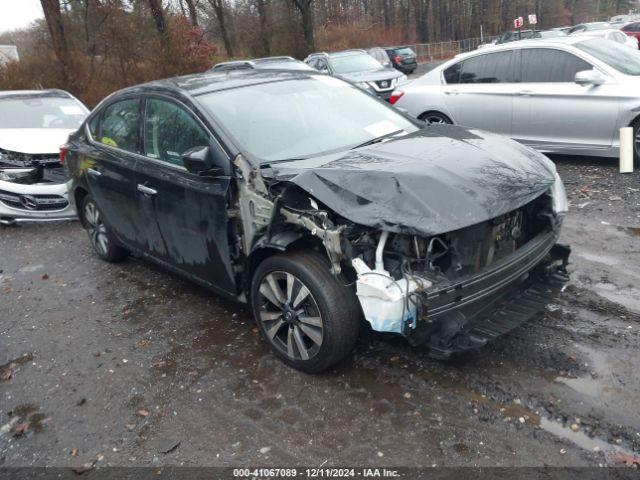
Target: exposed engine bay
<point x="427" y="288"/>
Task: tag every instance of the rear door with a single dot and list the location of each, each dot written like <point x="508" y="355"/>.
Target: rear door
<point x="185" y="214"/>
<point x="109" y="167"/>
<point x="479" y="91"/>
<point x="553" y="112"/>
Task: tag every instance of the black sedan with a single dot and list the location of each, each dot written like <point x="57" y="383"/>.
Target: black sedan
<point x="321" y="207"/>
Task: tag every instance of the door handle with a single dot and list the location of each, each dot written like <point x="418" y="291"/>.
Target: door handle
<point x="451" y="92"/>
<point x="146" y="190"/>
<point x="525" y="93"/>
<point x="93" y="172"/>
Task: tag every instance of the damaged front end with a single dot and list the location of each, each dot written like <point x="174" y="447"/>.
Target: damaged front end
<point x="33" y="188"/>
<point x="452" y="291"/>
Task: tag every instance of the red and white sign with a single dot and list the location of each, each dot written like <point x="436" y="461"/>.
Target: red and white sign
<point x="518" y="22"/>
<point x="533" y="19"/>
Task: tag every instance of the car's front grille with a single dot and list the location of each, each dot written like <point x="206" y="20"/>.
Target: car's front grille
<point x="34" y="203"/>
<point x="384" y="84"/>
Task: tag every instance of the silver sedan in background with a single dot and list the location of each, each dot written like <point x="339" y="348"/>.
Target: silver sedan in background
<point x="568" y="95"/>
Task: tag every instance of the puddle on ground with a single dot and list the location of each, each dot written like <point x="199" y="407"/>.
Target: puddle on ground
<point x="581" y="439"/>
<point x="628" y="297"/>
<point x="600" y="382"/>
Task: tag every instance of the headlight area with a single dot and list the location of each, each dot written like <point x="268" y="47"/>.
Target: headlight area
<point x="458" y="290"/>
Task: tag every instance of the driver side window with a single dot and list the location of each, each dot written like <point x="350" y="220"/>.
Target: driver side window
<point x="170" y="131"/>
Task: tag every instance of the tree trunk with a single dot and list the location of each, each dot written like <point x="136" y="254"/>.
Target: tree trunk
<point x="306" y="10"/>
<point x="218" y="8"/>
<point x="193" y="13"/>
<point x="158" y="16"/>
<point x="53" y="16"/>
<point x="265" y="31"/>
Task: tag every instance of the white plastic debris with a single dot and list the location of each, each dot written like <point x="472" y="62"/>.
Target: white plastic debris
<point x="384" y="300"/>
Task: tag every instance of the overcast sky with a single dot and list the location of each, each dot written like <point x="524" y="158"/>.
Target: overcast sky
<point x="18" y="13"/>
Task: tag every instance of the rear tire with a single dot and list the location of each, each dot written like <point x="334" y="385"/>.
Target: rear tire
<point x="101" y="238"/>
<point x="435" y="118"/>
<point x="309" y="318"/>
<point x="636" y="143"/>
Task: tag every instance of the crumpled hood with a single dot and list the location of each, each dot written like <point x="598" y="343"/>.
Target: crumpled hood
<point x="372" y="75"/>
<point x="437" y="180"/>
<point x="34" y="140"/>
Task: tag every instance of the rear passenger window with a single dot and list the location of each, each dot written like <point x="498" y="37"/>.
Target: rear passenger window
<point x="452" y="74"/>
<point x="489" y="68"/>
<point x="120" y="125"/>
<point x="170" y="131"/>
<point x="546" y="65"/>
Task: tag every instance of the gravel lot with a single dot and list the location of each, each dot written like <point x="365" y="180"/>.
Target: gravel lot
<point x="128" y="365"/>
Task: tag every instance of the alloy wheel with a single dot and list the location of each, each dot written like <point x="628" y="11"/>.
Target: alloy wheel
<point x="290" y="316"/>
<point x="96" y="228"/>
<point x="435" y="119"/>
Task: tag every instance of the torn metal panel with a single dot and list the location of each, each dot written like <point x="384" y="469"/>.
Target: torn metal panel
<point x="256" y="209"/>
<point x="427" y="183"/>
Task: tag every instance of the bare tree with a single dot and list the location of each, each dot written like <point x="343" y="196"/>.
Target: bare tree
<point x="265" y="30"/>
<point x="53" y="17"/>
<point x="193" y="12"/>
<point x="219" y="11"/>
<point x="306" y="11"/>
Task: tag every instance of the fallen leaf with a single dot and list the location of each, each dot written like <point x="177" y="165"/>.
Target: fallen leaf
<point x="158" y="364"/>
<point x="626" y="459"/>
<point x="74" y="452"/>
<point x="142" y="413"/>
<point x="143" y="343"/>
<point x="20" y="429"/>
<point x="6" y="374"/>
<point x="45" y="276"/>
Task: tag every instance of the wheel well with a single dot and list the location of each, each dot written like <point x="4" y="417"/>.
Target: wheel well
<point x="635" y="121"/>
<point x="429" y="112"/>
<point x="260" y="254"/>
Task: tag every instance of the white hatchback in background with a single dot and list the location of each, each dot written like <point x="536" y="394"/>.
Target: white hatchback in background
<point x="612" y="34"/>
<point x="34" y="124"/>
<point x="567" y="95"/>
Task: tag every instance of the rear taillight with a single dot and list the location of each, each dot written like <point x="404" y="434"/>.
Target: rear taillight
<point x="395" y="96"/>
<point x="63" y="153"/>
<point x="398" y="59"/>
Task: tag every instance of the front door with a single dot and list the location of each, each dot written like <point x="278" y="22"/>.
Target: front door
<point x="185" y="214"/>
<point x="552" y="112"/>
<point x="479" y="91"/>
<point x="109" y="166"/>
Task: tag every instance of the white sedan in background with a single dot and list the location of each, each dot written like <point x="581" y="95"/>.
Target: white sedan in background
<point x="610" y="34"/>
<point x="568" y="95"/>
<point x="34" y="124"/>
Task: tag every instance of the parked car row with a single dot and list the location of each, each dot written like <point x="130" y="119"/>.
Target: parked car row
<point x="567" y="95"/>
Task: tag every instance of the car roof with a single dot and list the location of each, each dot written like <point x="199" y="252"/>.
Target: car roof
<point x="35" y="93"/>
<point x="346" y="53"/>
<point x="214" y="81"/>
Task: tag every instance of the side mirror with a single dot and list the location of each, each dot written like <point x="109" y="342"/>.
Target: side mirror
<point x="589" y="77"/>
<point x="206" y="161"/>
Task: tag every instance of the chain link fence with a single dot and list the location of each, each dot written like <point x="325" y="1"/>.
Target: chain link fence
<point x="429" y="52"/>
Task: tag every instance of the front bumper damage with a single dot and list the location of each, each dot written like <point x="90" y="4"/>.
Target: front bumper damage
<point x="464" y="314"/>
<point x="26" y="195"/>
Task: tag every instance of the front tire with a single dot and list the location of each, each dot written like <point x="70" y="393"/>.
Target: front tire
<point x="101" y="238"/>
<point x="309" y="318"/>
<point x="435" y="118"/>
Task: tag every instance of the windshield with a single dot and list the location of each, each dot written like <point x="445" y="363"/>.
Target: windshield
<point x="357" y="62"/>
<point x="302" y="117"/>
<point x="617" y="55"/>
<point x="405" y="51"/>
<point x="37" y="111"/>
